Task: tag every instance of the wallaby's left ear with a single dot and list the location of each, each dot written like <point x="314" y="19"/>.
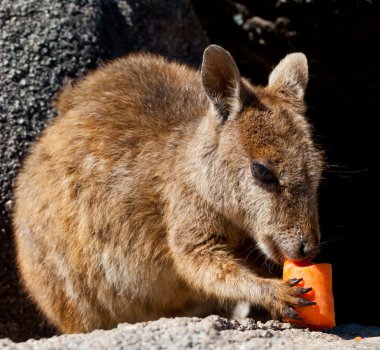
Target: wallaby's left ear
<point x="290" y="76"/>
<point x="221" y="81"/>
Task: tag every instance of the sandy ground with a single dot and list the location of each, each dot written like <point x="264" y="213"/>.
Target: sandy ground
<point x="212" y="332"/>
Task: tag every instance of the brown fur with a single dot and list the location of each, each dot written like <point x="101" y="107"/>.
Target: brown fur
<point x="133" y="203"/>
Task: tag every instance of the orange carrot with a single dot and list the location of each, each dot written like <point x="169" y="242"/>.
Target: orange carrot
<point x="319" y="277"/>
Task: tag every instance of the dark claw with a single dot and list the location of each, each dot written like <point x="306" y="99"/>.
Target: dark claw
<point x="300" y="291"/>
<point x="304" y="302"/>
<point x="292" y="282"/>
<point x="291" y="313"/>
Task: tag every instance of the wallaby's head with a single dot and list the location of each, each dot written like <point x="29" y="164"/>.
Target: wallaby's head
<point x="266" y="170"/>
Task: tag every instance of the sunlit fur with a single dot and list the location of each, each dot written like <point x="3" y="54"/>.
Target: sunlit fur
<point x="133" y="202"/>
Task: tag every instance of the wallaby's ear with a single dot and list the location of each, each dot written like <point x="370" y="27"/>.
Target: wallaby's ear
<point x="221" y="81"/>
<point x="290" y="76"/>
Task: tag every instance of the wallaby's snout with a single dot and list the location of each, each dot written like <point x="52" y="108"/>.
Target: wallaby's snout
<point x="290" y="244"/>
<point x="306" y="250"/>
<point x="304" y="246"/>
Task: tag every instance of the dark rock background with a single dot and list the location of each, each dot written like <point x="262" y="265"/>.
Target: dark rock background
<point x="43" y="43"/>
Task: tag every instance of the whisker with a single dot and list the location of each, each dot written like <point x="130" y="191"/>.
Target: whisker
<point x="249" y="253"/>
<point x="341" y="169"/>
<point x="271" y="266"/>
<point x="248" y="248"/>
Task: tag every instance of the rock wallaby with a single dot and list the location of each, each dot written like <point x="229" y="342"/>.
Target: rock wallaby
<point x="135" y="201"/>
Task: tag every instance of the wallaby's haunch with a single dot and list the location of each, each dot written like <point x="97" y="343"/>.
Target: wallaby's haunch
<point x="134" y="201"/>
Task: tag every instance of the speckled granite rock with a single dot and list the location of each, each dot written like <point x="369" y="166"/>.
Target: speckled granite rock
<point x="42" y="43"/>
<point x="212" y="332"/>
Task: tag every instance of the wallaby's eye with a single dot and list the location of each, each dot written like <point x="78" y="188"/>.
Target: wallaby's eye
<point x="261" y="173"/>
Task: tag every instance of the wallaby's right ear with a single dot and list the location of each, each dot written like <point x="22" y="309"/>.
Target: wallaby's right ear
<point x="221" y="81"/>
<point x="290" y="76"/>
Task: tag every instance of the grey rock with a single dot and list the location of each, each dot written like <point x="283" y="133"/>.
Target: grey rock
<point x="212" y="332"/>
<point x="42" y="44"/>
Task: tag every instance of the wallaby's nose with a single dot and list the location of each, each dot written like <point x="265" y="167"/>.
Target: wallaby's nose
<point x="308" y="250"/>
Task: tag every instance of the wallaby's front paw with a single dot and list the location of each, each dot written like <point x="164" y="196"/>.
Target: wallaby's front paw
<point x="286" y="297"/>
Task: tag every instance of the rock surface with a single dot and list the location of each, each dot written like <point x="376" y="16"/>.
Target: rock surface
<point x="212" y="332"/>
<point x="42" y="43"/>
